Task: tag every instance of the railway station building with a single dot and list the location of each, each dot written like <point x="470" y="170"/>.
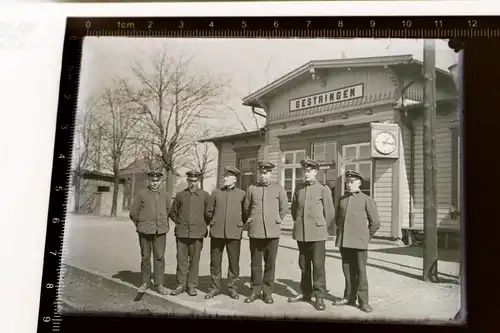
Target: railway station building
<point x="363" y="114"/>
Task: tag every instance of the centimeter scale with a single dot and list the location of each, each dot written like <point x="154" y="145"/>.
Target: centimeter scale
<point x="247" y="27"/>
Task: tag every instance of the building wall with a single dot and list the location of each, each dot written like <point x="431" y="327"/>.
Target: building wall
<point x="444" y="163"/>
<point x="97" y="203"/>
<point x="230" y="151"/>
<point x="379" y="85"/>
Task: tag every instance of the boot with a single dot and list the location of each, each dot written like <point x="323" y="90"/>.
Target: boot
<point x="177" y="291"/>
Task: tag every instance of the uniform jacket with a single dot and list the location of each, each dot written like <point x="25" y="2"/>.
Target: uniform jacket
<point x="226" y="211"/>
<point x="357" y="220"/>
<point x="266" y="206"/>
<point x="312" y="212"/>
<point x="149" y="212"/>
<point x="189" y="214"/>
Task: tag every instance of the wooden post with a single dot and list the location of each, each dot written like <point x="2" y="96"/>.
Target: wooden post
<point x="430" y="269"/>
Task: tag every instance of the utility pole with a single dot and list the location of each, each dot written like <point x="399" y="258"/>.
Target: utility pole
<point x="430" y="269"/>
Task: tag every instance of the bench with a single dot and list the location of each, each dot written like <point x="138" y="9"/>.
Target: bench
<point x="409" y="232"/>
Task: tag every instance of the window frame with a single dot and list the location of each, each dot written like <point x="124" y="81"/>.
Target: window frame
<point x="356" y="161"/>
<point x="292" y="167"/>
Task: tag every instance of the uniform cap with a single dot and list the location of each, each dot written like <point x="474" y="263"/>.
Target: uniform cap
<point x="309" y="163"/>
<point x="193" y="174"/>
<point x="265" y="165"/>
<point x="354" y="174"/>
<point x="232" y="170"/>
<point x="155" y="174"/>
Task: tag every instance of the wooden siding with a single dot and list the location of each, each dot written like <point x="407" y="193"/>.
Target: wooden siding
<point x="379" y="85"/>
<point x="444" y="169"/>
<point x="228" y="157"/>
<point x="230" y="151"/>
<point x="383" y="192"/>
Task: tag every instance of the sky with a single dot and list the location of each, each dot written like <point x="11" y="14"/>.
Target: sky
<point x="249" y="64"/>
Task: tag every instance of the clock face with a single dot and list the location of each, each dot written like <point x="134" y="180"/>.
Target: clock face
<point x="385" y="143"/>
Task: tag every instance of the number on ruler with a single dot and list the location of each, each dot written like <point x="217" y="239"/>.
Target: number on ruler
<point x="438" y="23"/>
<point x="406" y="24"/>
<point x="243" y="24"/>
<point x="88" y="24"/>
<point x="49" y="286"/>
<point x="150" y="24"/>
<point x="54" y="253"/>
<point x="46" y="319"/>
<point x="62" y="156"/>
<point x="64" y="126"/>
<point x="56" y="220"/>
<point x="308" y="23"/>
<point x="58" y="188"/>
<point x="472" y="23"/>
<point x="372" y="24"/>
<point x="181" y="24"/>
<point x="340" y="24"/>
<point x="211" y="24"/>
<point x="276" y="24"/>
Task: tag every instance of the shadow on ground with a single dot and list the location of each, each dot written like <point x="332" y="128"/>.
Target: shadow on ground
<point x="450" y="255"/>
<point x="204" y="283"/>
<point x="445" y="278"/>
<point x="295" y="286"/>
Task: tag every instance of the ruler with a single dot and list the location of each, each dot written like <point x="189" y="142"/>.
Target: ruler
<point x="289" y="27"/>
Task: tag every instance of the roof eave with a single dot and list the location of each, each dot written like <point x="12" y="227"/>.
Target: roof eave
<point x="217" y="139"/>
<point x="253" y="99"/>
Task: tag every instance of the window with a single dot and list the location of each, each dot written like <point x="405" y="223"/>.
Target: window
<point x="292" y="171"/>
<point x="103" y="188"/>
<point x="357" y="157"/>
<point x="323" y="152"/>
<point x="248" y="168"/>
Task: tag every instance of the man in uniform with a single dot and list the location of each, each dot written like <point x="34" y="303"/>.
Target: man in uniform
<point x="226" y="228"/>
<point x="149" y="212"/>
<point x="189" y="215"/>
<point x="357" y="221"/>
<point x="266" y="205"/>
<point x="313" y="215"/>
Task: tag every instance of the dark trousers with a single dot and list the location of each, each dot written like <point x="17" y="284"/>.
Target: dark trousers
<point x="266" y="249"/>
<point x="217" y="246"/>
<point x="188" y="261"/>
<point x="312" y="262"/>
<point x="356" y="281"/>
<point x="157" y="244"/>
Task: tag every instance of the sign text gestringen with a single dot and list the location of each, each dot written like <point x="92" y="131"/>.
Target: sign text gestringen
<point x="328" y="97"/>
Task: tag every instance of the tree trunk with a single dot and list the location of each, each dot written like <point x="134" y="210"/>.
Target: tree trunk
<point x="201" y="183"/>
<point x="116" y="189"/>
<point x="170" y="186"/>
<point x="76" y="204"/>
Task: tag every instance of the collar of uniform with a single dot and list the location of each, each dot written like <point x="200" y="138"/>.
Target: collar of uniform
<point x="229" y="189"/>
<point x="194" y="192"/>
<point x="309" y="183"/>
<point x="265" y="184"/>
<point x="153" y="191"/>
<point x="353" y="193"/>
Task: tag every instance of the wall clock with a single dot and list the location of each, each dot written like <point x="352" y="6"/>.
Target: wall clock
<point x="385" y="142"/>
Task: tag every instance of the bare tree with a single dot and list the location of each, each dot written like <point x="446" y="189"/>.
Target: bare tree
<point x="118" y="125"/>
<point x="171" y="98"/>
<point x="82" y="149"/>
<point x="204" y="157"/>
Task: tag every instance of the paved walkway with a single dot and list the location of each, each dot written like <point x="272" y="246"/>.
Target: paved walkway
<point x="110" y="247"/>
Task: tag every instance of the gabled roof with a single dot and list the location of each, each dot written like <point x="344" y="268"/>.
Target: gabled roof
<point x="384" y="61"/>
